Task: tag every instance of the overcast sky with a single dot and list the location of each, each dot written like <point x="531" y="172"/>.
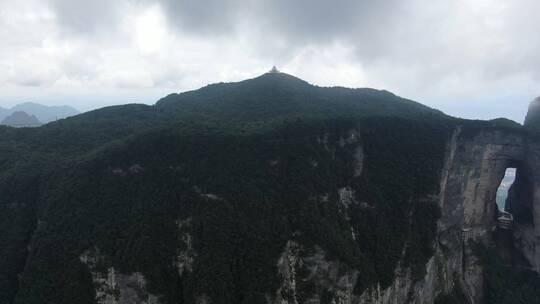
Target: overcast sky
<point x="469" y="58"/>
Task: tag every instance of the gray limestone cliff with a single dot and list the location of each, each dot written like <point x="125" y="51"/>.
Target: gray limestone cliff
<point x="475" y="163"/>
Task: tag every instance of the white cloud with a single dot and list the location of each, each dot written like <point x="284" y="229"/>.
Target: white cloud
<point x="464" y="56"/>
<point x="150" y="30"/>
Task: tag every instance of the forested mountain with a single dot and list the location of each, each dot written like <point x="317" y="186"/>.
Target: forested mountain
<point x="279" y="95"/>
<point x="269" y="190"/>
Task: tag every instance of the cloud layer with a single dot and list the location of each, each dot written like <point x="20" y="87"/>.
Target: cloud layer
<point x="473" y="58"/>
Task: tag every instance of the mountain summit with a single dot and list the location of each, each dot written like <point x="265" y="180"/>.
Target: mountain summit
<point x="280" y="95"/>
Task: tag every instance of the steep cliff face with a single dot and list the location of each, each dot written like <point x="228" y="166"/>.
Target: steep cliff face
<point x="476" y="164"/>
<point x="525" y="193"/>
<point x="476" y="161"/>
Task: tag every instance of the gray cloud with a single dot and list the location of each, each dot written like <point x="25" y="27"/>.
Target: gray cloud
<point x="419" y="32"/>
<point x="495" y="38"/>
<point x="291" y="24"/>
<point x="205" y="17"/>
<point x="80" y="17"/>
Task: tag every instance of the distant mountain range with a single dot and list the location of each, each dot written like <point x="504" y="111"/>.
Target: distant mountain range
<point x="20" y="119"/>
<point x="44" y="114"/>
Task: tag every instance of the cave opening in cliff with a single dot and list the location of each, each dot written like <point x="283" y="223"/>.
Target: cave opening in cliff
<point x="504" y="187"/>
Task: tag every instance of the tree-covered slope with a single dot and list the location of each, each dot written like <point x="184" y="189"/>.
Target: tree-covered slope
<point x="245" y="196"/>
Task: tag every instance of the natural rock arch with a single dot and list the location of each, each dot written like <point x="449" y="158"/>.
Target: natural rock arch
<point x="476" y="161"/>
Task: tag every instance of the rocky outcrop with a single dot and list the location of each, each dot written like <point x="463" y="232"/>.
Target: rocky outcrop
<point x="113" y="287"/>
<point x="328" y="280"/>
<point x="186" y="254"/>
<point x="404" y="289"/>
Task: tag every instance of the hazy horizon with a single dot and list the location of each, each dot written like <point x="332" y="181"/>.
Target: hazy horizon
<point x="86" y="103"/>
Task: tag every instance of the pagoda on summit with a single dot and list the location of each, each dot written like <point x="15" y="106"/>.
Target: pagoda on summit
<point x="274" y="70"/>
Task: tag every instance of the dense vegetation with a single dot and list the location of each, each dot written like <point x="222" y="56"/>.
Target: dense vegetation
<point x="456" y="296"/>
<point x="508" y="276"/>
<point x="241" y="235"/>
<point x="271" y="96"/>
<point x="251" y="165"/>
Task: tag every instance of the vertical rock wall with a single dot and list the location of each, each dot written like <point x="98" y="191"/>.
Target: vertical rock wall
<point x="476" y="164"/>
